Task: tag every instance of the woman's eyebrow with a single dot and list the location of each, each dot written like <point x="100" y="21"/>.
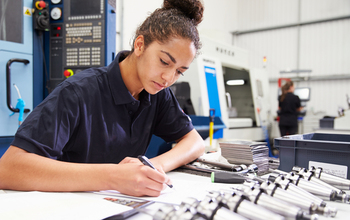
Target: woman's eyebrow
<point x="169" y="55"/>
<point x="173" y="59"/>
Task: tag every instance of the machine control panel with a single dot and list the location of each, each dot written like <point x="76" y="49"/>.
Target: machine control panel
<point x="77" y="37"/>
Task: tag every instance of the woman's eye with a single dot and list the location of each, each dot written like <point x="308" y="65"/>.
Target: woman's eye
<point x="163" y="62"/>
<point x="179" y="72"/>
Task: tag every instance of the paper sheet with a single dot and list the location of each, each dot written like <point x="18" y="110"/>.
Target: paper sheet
<point x="41" y="205"/>
<point x="182" y="189"/>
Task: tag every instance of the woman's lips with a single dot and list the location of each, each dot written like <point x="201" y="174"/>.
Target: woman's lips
<point x="159" y="86"/>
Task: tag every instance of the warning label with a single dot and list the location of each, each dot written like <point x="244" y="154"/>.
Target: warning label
<point x="27" y="11"/>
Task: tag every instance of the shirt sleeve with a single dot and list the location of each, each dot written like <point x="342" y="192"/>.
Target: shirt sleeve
<point x="171" y="122"/>
<point x="48" y="128"/>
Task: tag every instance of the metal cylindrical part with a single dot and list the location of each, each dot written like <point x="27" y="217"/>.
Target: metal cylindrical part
<point x="252" y="211"/>
<point x="315" y="188"/>
<point x="323" y="183"/>
<point x="239" y="204"/>
<point x="282" y="207"/>
<point x="339" y="182"/>
<point x="165" y="212"/>
<point x="207" y="208"/>
<point x="298" y="200"/>
<point x="260" y="197"/>
<point x="311" y="176"/>
<point x="226" y="214"/>
<point x="291" y="198"/>
<point x="345" y="198"/>
<point x="287" y="183"/>
<point x="295" y="189"/>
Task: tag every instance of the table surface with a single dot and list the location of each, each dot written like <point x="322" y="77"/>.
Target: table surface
<point x="188" y="185"/>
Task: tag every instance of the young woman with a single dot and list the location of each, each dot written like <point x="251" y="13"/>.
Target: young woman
<point x="87" y="133"/>
<point x="288" y="106"/>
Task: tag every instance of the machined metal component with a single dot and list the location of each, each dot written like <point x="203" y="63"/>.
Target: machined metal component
<point x="260" y="197"/>
<point x="299" y="199"/>
<point x="339" y="182"/>
<point x="240" y="204"/>
<point x="310" y="175"/>
<point x="317" y="189"/>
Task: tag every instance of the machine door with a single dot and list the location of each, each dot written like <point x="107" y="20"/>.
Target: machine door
<point x="261" y="95"/>
<point x="16" y="58"/>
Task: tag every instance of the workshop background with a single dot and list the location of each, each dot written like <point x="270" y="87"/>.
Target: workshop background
<point x="307" y="40"/>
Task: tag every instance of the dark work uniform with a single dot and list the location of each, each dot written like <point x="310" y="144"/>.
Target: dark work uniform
<point x="91" y="117"/>
<point x="288" y="123"/>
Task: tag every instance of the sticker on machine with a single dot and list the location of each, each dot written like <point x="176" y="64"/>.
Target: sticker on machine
<point x="27" y="11"/>
<point x="334" y="169"/>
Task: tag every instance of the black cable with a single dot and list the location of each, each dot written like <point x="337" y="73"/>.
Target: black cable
<point x="47" y="84"/>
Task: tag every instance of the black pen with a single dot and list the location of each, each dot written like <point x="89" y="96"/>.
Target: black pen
<point x="147" y="162"/>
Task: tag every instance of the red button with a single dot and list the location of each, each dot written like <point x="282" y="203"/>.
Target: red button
<point x="66" y="73"/>
<point x="42" y="4"/>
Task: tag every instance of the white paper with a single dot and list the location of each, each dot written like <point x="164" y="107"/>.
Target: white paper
<point x="182" y="189"/>
<point x="41" y="205"/>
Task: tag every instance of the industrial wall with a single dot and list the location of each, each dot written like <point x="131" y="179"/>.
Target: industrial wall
<point x="300" y="35"/>
<point x="312" y="35"/>
<point x="220" y="19"/>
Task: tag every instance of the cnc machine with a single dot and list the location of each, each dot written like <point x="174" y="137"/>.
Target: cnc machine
<point x="41" y="44"/>
<point x="213" y="76"/>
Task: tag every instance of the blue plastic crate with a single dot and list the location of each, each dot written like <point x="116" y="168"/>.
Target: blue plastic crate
<point x="298" y="150"/>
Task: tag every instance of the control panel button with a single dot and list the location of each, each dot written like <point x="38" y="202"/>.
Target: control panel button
<point x="68" y="73"/>
<point x="55" y="1"/>
<point x="56" y="13"/>
<point x="40" y="5"/>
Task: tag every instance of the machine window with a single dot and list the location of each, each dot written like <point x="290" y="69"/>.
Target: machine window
<point x="11" y="21"/>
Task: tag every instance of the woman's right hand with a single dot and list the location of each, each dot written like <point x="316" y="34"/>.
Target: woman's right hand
<point x="133" y="178"/>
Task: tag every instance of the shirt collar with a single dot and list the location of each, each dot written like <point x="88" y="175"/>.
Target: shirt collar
<point x="120" y="93"/>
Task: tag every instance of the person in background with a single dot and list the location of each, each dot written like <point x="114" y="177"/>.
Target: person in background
<point x="288" y="106"/>
<point x="86" y="135"/>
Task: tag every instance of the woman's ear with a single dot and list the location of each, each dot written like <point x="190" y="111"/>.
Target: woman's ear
<point x="139" y="45"/>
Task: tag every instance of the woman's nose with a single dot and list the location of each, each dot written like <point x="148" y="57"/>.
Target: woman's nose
<point x="168" y="76"/>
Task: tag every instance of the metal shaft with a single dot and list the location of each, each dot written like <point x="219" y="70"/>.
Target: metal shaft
<point x="259" y="197"/>
<point x="296" y="199"/>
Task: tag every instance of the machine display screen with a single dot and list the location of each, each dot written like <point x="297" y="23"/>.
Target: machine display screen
<point x="85" y="7"/>
<point x="303" y="93"/>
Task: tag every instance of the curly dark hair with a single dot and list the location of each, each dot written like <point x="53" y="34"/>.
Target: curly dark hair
<point x="177" y="18"/>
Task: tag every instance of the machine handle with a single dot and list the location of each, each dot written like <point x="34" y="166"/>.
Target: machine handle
<point x="8" y="82"/>
<point x="228" y="96"/>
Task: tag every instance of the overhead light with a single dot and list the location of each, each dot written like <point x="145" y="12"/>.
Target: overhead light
<point x="235" y="82"/>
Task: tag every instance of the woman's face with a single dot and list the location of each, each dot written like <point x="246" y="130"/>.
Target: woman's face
<point x="160" y="65"/>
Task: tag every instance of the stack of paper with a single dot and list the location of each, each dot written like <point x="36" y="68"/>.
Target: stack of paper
<point x="246" y="152"/>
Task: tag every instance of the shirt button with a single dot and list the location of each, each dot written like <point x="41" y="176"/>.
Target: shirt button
<point x="130" y="112"/>
<point x="133" y="103"/>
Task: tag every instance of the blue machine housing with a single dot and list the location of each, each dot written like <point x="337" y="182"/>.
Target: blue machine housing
<point x="16" y="67"/>
<point x="32" y="78"/>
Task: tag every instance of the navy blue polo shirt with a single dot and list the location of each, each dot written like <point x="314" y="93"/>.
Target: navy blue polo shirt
<point x="91" y="117"/>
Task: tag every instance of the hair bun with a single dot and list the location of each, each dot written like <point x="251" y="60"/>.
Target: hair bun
<point x="193" y="9"/>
